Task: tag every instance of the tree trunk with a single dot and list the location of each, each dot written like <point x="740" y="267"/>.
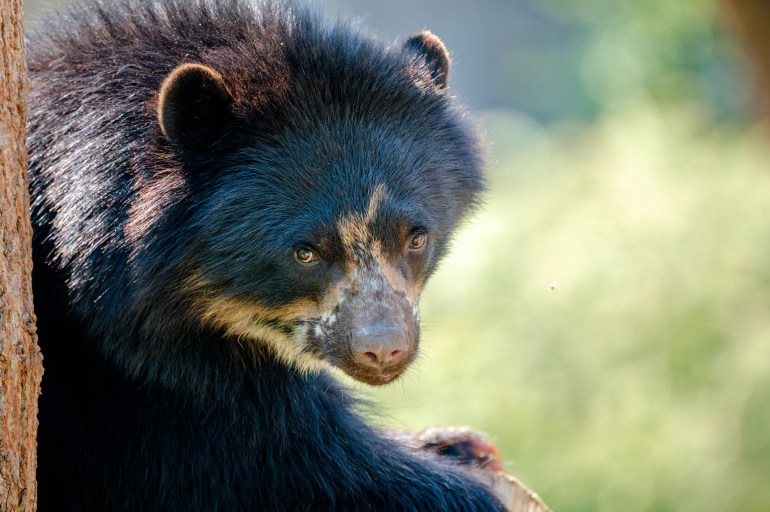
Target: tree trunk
<point x="750" y="20"/>
<point x="20" y="359"/>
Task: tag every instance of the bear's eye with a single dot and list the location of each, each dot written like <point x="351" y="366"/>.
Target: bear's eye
<point x="417" y="240"/>
<point x="305" y="255"/>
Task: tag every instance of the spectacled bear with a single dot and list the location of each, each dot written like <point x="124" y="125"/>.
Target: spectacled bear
<point x="228" y="199"/>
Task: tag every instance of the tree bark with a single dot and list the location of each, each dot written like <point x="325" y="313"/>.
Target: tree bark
<point x="20" y="359"/>
<point x="750" y="20"/>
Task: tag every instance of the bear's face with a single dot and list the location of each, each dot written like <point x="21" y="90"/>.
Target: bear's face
<point x="316" y="237"/>
<point x="342" y="289"/>
<point x="326" y="260"/>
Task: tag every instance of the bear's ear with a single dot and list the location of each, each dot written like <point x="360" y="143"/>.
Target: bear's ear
<point x="194" y="107"/>
<point x="427" y="45"/>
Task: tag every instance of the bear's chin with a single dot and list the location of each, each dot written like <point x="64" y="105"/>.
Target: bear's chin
<point x="370" y="376"/>
<point x="375" y="379"/>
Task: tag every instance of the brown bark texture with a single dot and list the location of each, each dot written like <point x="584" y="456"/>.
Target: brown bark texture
<point x="750" y="20"/>
<point x="20" y="359"/>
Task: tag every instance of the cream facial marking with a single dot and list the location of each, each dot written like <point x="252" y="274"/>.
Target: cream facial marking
<point x="283" y="329"/>
<point x="367" y="267"/>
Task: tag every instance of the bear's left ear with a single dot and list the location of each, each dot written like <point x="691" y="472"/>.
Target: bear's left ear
<point x="428" y="46"/>
<point x="194" y="107"/>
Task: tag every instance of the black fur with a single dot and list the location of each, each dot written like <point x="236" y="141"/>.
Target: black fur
<point x="144" y="405"/>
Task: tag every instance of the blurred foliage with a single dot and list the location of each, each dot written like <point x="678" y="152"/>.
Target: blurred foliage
<point x="605" y="318"/>
<point x="582" y="56"/>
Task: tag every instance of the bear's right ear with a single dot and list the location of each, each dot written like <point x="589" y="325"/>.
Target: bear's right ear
<point x="428" y="46"/>
<point x="194" y="107"/>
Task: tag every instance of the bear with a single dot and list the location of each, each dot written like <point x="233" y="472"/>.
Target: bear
<point x="230" y="199"/>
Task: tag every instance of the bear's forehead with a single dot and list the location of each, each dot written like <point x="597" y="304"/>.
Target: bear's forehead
<point x="335" y="170"/>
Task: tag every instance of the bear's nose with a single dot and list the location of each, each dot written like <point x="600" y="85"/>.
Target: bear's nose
<point x="380" y="344"/>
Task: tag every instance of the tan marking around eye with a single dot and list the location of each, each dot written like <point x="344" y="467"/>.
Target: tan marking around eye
<point x="364" y="250"/>
<point x="354" y="228"/>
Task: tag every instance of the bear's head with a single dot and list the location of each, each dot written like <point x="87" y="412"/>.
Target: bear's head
<point x="320" y="191"/>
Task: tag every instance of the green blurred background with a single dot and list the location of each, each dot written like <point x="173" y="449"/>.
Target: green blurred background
<point x="605" y="317"/>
